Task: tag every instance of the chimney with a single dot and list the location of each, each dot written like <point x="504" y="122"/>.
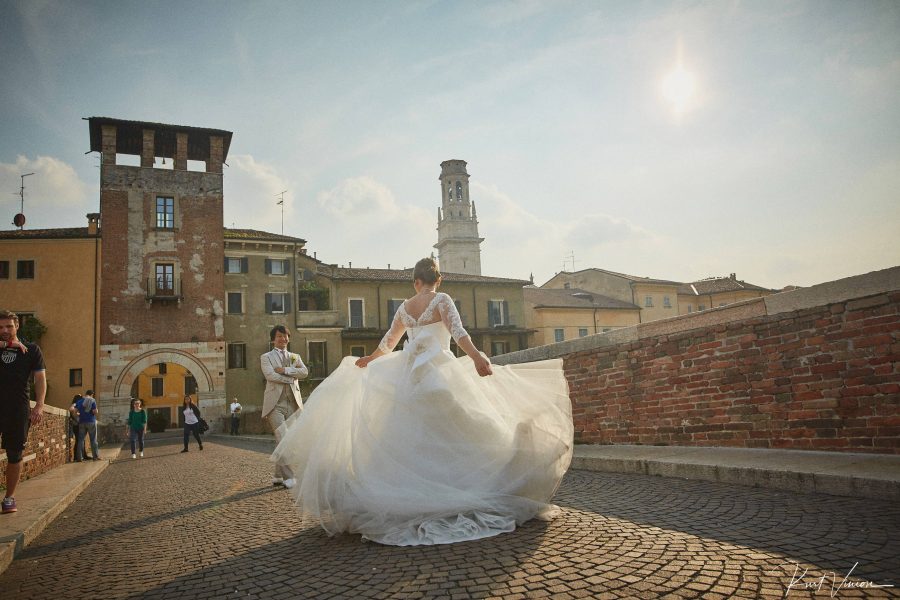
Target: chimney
<point x="93" y="223"/>
<point x="734" y="275"/>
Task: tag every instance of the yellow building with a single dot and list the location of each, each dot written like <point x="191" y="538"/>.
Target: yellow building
<point x="52" y="274"/>
<point x="715" y="292"/>
<point x="162" y="388"/>
<point x="559" y="315"/>
<point x="656" y="298"/>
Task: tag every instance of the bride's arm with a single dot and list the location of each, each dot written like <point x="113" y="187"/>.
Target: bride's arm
<point x="387" y="343"/>
<point x="453" y="322"/>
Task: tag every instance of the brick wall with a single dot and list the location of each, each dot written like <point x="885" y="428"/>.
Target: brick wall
<point x="792" y="372"/>
<point x="47" y="446"/>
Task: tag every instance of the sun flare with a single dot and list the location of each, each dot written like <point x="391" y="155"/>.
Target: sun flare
<point x="679" y="88"/>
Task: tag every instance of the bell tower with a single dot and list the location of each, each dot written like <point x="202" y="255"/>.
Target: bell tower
<point x="458" y="246"/>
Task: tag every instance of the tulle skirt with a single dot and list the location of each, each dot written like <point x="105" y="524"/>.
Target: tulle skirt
<point x="418" y="449"/>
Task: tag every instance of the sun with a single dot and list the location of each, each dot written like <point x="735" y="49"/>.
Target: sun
<point x="679" y="88"/>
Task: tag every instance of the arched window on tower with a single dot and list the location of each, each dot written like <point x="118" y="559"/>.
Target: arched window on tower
<point x="459" y="191"/>
<point x="450" y="193"/>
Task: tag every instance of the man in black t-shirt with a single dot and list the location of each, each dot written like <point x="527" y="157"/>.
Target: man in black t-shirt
<point x="19" y="361"/>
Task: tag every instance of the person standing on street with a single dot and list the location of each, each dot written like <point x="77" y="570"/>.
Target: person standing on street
<point x="87" y="412"/>
<point x="191" y="422"/>
<point x="281" y="369"/>
<point x="137" y="426"/>
<point x="20" y="362"/>
<point x="235" y="416"/>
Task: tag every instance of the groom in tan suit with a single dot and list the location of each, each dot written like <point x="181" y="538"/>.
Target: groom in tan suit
<point x="281" y="369"/>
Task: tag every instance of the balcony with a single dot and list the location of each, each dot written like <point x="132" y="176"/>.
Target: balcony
<point x="317" y="318"/>
<point x="163" y="289"/>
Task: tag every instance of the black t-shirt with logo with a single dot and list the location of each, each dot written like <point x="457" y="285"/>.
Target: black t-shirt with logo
<point x="15" y="369"/>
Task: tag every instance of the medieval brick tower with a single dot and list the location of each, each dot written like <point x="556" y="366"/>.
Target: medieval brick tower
<point x="458" y="246"/>
<point x="162" y="285"/>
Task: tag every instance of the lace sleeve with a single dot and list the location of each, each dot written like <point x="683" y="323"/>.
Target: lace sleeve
<point x="393" y="334"/>
<point x="450" y="317"/>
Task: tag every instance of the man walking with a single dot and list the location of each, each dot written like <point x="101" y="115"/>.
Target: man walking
<point x="19" y="361"/>
<point x="281" y="369"/>
<point x="235" y="416"/>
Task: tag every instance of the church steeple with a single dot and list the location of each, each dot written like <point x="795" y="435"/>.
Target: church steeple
<point x="459" y="247"/>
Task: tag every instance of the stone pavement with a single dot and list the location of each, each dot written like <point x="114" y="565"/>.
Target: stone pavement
<point x="208" y="525"/>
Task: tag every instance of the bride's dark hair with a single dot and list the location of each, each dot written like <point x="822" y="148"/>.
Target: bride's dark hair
<point x="426" y="271"/>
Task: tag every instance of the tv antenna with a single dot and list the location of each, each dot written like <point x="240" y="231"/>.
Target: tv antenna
<point x="19" y="219"/>
<point x="569" y="257"/>
<point x="281" y="204"/>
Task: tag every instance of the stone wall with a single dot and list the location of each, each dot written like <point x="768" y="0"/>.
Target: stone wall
<point x="814" y="369"/>
<point x="47" y="445"/>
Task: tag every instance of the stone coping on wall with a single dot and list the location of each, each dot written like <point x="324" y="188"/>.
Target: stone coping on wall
<point x="841" y="290"/>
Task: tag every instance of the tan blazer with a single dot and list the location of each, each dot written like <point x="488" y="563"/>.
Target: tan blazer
<point x="276" y="382"/>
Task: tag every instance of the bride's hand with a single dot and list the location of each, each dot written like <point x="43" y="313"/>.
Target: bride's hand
<point x="483" y="366"/>
<point x="362" y="362"/>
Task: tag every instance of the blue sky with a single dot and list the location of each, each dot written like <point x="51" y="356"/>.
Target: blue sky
<point x="777" y="158"/>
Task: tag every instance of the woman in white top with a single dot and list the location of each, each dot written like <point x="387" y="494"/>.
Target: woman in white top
<point x="191" y="422"/>
<point x="421" y="447"/>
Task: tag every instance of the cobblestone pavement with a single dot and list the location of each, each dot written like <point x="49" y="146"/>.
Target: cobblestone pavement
<point x="208" y="525"/>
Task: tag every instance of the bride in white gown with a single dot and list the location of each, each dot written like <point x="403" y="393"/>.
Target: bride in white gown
<point x="416" y="448"/>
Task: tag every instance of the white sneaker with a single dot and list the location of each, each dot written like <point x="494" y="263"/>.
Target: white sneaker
<point x="133" y="456"/>
<point x="277" y="481"/>
<point x="142" y="454"/>
<point x="289" y="483"/>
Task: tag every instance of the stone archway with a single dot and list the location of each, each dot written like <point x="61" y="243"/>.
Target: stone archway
<point x="163" y="355"/>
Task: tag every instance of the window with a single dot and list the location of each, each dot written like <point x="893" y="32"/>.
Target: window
<point x="459" y="192"/>
<point x="318" y="360"/>
<point x="582" y="332"/>
<point x="156" y="386"/>
<point x="237" y="356"/>
<point x="648" y="301"/>
<point x="190" y="385"/>
<point x="392" y="305"/>
<point x="278" y="304"/>
<point x="559" y="335"/>
<point x="24" y="269"/>
<point x="276" y="266"/>
<point x="356" y="312"/>
<point x="605" y="329"/>
<point x="4" y="269"/>
<point x="701" y="307"/>
<point x="74" y="377"/>
<point x="690" y="308"/>
<point x="162" y="368"/>
<point x="165" y="279"/>
<point x="666" y="302"/>
<point x="234" y="303"/>
<point x="236" y="264"/>
<point x="498" y="348"/>
<point x="358" y="351"/>
<point x="165" y="212"/>
<point x="498" y="313"/>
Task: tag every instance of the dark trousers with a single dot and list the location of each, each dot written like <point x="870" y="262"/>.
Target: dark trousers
<point x="235" y="423"/>
<point x="137" y="435"/>
<point x="195" y="429"/>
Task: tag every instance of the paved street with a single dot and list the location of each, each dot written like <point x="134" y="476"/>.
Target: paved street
<point x="208" y="525"/>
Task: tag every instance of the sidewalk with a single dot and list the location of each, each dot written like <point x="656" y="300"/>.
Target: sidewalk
<point x="44" y="497"/>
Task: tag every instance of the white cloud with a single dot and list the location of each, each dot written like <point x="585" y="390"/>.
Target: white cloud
<point x="54" y="185"/>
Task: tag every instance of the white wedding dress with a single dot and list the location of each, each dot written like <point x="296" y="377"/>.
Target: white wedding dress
<point x="417" y="449"/>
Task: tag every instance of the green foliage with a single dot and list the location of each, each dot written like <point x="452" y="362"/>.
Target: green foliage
<point x="32" y="330"/>
<point x="156" y="422"/>
<point x="319" y="296"/>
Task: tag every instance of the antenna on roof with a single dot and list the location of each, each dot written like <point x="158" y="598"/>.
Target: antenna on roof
<point x="281" y="204"/>
<point x="570" y="256"/>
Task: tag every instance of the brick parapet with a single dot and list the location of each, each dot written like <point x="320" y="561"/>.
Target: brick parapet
<point x="817" y="370"/>
<point x="47" y="446"/>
